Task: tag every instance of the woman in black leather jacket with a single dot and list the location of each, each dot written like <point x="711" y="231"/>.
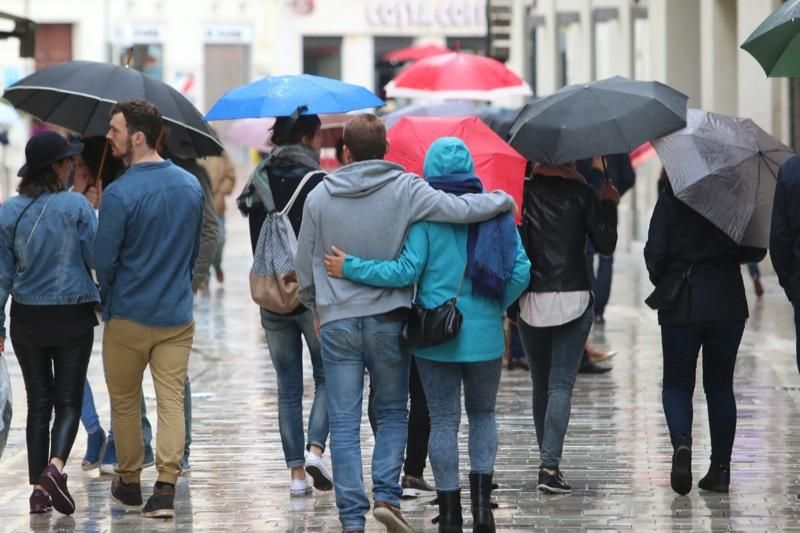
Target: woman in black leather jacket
<point x="709" y="312"/>
<point x="560" y="210"/>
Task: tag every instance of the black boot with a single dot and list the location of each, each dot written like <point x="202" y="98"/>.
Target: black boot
<point x="449" y="519"/>
<point x="681" y="476"/>
<point x="480" y="493"/>
<point x="718" y="478"/>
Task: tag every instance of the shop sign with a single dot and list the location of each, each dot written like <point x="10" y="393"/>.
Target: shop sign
<point x="227" y="34"/>
<point x="426" y="13"/>
<point x="140" y="33"/>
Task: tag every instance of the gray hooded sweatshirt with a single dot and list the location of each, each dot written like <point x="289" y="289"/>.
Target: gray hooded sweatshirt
<point x="365" y="209"/>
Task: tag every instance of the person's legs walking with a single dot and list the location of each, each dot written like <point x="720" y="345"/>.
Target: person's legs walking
<point x="680" y="345"/>
<point x="217" y="261"/>
<point x="187" y="417"/>
<point x="602" y="291"/>
<point x="96" y="436"/>
<point x="537" y="344"/>
<point x="720" y="348"/>
<point x="342" y="344"/>
<point x="419" y="430"/>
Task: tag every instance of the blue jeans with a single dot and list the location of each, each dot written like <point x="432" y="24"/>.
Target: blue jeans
<point x="89" y="418"/>
<point x="681" y="344"/>
<point x="348" y="346"/>
<point x="442" y="384"/>
<point x="601" y="278"/>
<point x="285" y="335"/>
<point x="554" y="356"/>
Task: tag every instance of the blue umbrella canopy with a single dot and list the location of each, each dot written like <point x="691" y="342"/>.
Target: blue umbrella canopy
<point x="279" y="96"/>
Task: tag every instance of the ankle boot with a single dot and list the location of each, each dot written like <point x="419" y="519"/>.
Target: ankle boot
<point x="480" y="492"/>
<point x="718" y="478"/>
<point x="449" y="519"/>
<point x="681" y="475"/>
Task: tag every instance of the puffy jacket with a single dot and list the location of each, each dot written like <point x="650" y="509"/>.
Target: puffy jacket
<point x="558" y="215"/>
<point x="679" y="237"/>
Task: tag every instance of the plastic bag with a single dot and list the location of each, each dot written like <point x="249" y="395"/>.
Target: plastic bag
<point x="5" y="404"/>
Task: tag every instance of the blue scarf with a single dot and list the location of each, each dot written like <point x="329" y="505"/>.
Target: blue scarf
<point x="491" y="245"/>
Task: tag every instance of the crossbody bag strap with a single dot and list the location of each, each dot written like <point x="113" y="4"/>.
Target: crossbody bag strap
<point x="461" y="283"/>
<point x="296" y="193"/>
<point x="33" y="230"/>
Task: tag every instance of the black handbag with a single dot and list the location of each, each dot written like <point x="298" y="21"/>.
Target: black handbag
<point x="431" y="327"/>
<point x="665" y="296"/>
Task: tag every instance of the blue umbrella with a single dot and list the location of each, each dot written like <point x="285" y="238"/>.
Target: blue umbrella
<point x="280" y="96"/>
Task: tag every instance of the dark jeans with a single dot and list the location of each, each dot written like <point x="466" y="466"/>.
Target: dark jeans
<point x="681" y="344"/>
<point x="53" y="363"/>
<point x="554" y="356"/>
<point x="797" y="334"/>
<point x="515" y="352"/>
<point x="601" y="278"/>
<point x="419" y="424"/>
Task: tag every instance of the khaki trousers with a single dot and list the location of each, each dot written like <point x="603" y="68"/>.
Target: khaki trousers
<point x="128" y="348"/>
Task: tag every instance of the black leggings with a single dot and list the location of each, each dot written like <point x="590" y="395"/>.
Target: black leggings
<point x="53" y="362"/>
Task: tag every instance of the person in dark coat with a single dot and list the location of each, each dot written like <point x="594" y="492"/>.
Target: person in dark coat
<point x="784" y="245"/>
<point x="687" y="251"/>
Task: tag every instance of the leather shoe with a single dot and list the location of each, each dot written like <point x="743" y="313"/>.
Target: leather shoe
<point x="588" y="367"/>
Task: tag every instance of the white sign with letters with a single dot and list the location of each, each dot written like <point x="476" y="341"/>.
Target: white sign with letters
<point x="227" y="34"/>
<point x="426" y="13"/>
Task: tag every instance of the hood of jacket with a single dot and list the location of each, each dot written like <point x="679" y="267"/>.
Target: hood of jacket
<point x="448" y="156"/>
<point x="362" y="178"/>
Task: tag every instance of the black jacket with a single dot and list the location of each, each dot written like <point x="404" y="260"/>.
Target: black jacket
<point x="680" y="237"/>
<point x="558" y="215"/>
<point x="784" y="239"/>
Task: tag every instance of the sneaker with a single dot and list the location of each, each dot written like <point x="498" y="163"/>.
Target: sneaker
<point x="162" y="503"/>
<point x="186" y="468"/>
<point x="95" y="450"/>
<point x="128" y="495"/>
<point x="315" y="468"/>
<point x="299" y="488"/>
<point x="391" y="517"/>
<point x="553" y="483"/>
<point x="40" y="502"/>
<point x="681" y="475"/>
<point x="415" y="487"/>
<point x="55" y="484"/>
<point x="220" y="275"/>
<point x="108" y="465"/>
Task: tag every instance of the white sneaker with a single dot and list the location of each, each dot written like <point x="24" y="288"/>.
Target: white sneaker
<point x="316" y="468"/>
<point x="300" y="487"/>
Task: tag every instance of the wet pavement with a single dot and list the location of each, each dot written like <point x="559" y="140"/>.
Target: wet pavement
<point x="616" y="456"/>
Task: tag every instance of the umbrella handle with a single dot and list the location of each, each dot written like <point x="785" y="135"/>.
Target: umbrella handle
<point x="99" y="180"/>
<point x="605" y="170"/>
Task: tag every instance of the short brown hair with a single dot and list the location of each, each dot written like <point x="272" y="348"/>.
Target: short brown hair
<point x="365" y="137"/>
<point x="141" y="116"/>
<point x="40" y="181"/>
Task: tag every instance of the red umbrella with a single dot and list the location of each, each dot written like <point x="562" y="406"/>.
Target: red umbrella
<point x="497" y="164"/>
<point x="457" y="76"/>
<point x="415" y="53"/>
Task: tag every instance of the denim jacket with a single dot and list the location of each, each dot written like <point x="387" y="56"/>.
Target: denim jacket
<point x="54" y="268"/>
<point x="147" y="244"/>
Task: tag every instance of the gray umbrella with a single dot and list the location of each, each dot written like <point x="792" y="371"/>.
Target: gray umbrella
<point x="725" y="168"/>
<point x="609" y="116"/>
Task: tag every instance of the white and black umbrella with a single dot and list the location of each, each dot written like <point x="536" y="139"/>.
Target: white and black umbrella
<point x="725" y="168"/>
<point x="78" y="95"/>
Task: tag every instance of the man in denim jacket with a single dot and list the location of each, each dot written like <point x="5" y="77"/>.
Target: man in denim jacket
<point x="146" y="246"/>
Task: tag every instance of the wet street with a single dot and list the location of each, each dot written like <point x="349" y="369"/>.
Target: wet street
<point x="616" y="457"/>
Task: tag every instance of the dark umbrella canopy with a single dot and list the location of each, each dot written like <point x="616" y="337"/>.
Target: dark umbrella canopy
<point x="609" y="116"/>
<point x="776" y="42"/>
<point x="78" y="95"/>
<point x="725" y="168"/>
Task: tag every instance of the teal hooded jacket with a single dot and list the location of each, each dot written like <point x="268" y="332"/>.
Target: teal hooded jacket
<point x="434" y="257"/>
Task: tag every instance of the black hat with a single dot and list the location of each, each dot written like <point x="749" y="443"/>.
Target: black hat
<point x="46" y="148"/>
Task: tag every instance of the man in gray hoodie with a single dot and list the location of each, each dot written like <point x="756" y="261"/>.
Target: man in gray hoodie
<point x="366" y="208"/>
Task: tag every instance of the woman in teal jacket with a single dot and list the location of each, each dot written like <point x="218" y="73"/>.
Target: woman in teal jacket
<point x="486" y="267"/>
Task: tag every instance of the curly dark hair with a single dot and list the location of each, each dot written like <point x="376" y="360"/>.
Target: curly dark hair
<point x="140" y="116"/>
<point x="41" y="181"/>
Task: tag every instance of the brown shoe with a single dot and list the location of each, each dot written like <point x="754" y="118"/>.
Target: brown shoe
<point x="161" y="504"/>
<point x="55" y="483"/>
<point x="128" y="495"/>
<point x="40" y="502"/>
<point x="220" y="275"/>
<point x="391" y="517"/>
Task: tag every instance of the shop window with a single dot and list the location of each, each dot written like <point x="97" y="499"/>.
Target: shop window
<point x="322" y="56"/>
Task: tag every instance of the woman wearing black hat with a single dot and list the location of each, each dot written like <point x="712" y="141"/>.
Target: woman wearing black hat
<point x="46" y="239"/>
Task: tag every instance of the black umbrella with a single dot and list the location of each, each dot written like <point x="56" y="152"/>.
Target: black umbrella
<point x="78" y="95"/>
<point x="609" y="116"/>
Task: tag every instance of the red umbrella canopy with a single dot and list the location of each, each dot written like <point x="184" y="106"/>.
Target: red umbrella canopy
<point x="415" y="53"/>
<point x="497" y="164"/>
<point x="457" y="76"/>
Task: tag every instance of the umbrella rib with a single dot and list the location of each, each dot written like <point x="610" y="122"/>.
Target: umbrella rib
<point x="614" y="119"/>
